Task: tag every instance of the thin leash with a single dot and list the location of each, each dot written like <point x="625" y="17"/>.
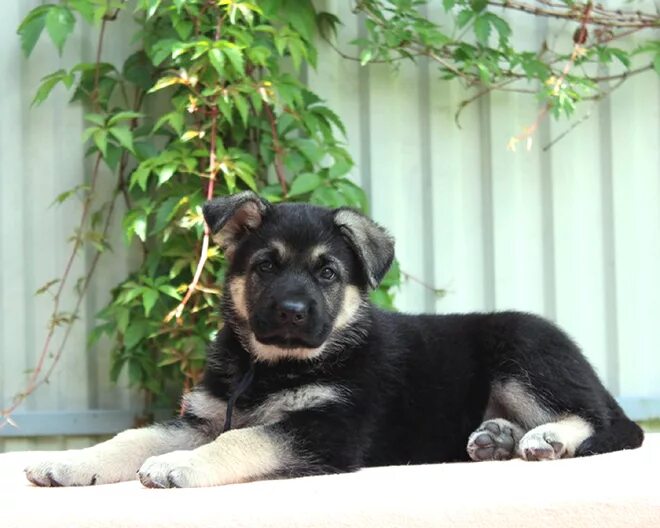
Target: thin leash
<point x="242" y="386"/>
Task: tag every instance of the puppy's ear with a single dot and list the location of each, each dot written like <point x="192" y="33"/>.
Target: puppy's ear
<point x="230" y="217"/>
<point x="373" y="245"/>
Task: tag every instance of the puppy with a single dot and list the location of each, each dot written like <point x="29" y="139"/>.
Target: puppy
<point x="308" y="377"/>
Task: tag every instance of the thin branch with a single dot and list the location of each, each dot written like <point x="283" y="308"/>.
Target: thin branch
<point x="203" y="256"/>
<point x="34" y="380"/>
<point x="97" y="70"/>
<point x="436" y="291"/>
<point x="612" y="19"/>
<point x="567" y="131"/>
<point x="277" y="147"/>
<point x="529" y="131"/>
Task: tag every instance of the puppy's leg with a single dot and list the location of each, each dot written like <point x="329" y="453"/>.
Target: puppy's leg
<point x="554" y="440"/>
<point x="114" y="460"/>
<point x="495" y="439"/>
<point x="239" y="455"/>
<point x="119" y="458"/>
<point x="320" y="441"/>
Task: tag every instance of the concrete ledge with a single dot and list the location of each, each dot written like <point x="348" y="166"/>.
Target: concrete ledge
<point x="105" y="422"/>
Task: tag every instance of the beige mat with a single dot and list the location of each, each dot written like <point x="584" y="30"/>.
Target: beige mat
<point x="615" y="490"/>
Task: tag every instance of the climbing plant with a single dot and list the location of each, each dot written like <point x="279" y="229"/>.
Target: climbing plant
<point x="210" y="102"/>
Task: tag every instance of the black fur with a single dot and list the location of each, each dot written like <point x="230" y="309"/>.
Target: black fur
<point x="416" y="386"/>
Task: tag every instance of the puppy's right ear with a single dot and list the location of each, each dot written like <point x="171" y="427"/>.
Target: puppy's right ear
<point x="230" y="217"/>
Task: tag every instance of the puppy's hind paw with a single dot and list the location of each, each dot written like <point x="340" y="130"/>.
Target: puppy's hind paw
<point x="494" y="440"/>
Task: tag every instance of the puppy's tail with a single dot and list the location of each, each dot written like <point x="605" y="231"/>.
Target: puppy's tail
<point x="620" y="433"/>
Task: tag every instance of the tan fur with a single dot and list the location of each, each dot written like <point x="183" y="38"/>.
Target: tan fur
<point x="316" y="252"/>
<point x="277" y="405"/>
<point x="247" y="216"/>
<point x="272" y="353"/>
<point x="237" y="292"/>
<point x="115" y="460"/>
<point x="349" y="306"/>
<point x="281" y="249"/>
<point x="239" y="455"/>
<point x="521" y="407"/>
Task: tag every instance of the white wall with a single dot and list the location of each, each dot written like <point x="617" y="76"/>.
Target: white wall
<point x="572" y="233"/>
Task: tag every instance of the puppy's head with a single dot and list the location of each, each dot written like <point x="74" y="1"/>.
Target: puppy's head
<point x="298" y="274"/>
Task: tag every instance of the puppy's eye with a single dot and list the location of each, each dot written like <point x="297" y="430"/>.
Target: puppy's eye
<point x="265" y="266"/>
<point x="327" y="274"/>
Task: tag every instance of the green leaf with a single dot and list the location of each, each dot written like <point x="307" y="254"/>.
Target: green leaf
<point x="354" y="195"/>
<point x="235" y="58"/>
<point x="448" y="4"/>
<point x="124" y="116"/>
<point x="134" y="334"/>
<point x="134" y="372"/>
<point x="59" y="25"/>
<point x="242" y="106"/>
<point x="165" y="173"/>
<point x="140" y="176"/>
<point x="97" y="119"/>
<point x="140" y="228"/>
<point x="100" y="138"/>
<point x="31" y="28"/>
<point x="501" y="26"/>
<point x="464" y="17"/>
<point x="165" y="213"/>
<point x="478" y="5"/>
<point x="621" y="55"/>
<point x="139" y="70"/>
<point x="135" y="223"/>
<point x="49" y="82"/>
<point x="217" y="60"/>
<point x="365" y="56"/>
<point x="149" y="298"/>
<point x="124" y="135"/>
<point x="170" y="290"/>
<point x="117" y="367"/>
<point x="310" y="149"/>
<point x="482" y="30"/>
<point x="304" y="183"/>
<point x="300" y="14"/>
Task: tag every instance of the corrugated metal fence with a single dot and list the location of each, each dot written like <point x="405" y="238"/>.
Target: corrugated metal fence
<point x="572" y="232"/>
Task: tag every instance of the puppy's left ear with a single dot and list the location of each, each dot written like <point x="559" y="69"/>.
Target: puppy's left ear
<point x="373" y="245"/>
<point x="231" y="217"/>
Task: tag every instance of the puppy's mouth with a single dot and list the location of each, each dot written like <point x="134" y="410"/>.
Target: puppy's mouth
<point x="288" y="341"/>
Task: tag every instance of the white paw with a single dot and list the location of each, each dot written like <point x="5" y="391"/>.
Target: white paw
<point x="541" y="443"/>
<point x="179" y="469"/>
<point x="72" y="468"/>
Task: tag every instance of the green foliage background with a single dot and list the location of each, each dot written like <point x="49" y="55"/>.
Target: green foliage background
<point x="236" y="117"/>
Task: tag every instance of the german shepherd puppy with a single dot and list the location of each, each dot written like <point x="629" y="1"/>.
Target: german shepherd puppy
<point x="308" y="377"/>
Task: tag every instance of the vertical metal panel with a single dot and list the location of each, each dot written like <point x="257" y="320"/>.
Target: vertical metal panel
<point x="572" y="233"/>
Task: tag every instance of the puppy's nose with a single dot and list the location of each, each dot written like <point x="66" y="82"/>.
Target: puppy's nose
<point x="293" y="312"/>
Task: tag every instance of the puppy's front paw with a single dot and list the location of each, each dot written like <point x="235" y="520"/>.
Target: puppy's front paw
<point x="63" y="469"/>
<point x="179" y="469"/>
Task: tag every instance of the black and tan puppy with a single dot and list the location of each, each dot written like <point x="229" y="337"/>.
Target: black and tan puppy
<point x="316" y="380"/>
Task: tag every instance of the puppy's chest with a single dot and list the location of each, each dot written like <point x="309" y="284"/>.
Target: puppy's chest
<point x="264" y="406"/>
